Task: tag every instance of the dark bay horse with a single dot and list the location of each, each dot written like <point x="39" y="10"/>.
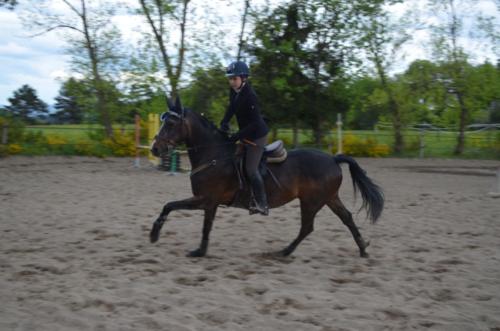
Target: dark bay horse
<point x="311" y="176"/>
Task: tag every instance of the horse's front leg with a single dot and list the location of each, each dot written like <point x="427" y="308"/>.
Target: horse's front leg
<point x="191" y="203"/>
<point x="207" y="227"/>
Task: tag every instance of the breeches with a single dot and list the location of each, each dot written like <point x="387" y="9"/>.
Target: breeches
<point x="253" y="155"/>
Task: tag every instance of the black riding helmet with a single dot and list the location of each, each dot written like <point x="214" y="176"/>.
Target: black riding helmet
<point x="237" y="68"/>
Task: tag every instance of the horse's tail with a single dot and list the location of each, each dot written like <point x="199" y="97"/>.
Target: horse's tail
<point x="373" y="197"/>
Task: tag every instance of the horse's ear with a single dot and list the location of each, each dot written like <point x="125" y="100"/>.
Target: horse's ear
<point x="178" y="106"/>
<point x="169" y="104"/>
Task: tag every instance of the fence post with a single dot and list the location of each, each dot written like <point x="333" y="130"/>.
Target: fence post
<point x="5" y="134"/>
<point x="422" y="143"/>
<point x="137" y="162"/>
<point x="339" y="133"/>
<point x="173" y="162"/>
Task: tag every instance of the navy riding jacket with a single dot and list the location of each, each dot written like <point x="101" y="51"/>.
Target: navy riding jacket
<point x="244" y="105"/>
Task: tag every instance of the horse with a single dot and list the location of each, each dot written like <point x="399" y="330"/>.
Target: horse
<point x="312" y="176"/>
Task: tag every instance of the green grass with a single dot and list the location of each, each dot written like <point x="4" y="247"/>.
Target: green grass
<point x="74" y="132"/>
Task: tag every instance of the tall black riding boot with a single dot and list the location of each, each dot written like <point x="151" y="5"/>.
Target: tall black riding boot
<point x="259" y="193"/>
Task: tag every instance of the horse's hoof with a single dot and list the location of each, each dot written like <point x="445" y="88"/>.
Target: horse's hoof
<point x="196" y="253"/>
<point x="284" y="252"/>
<point x="154" y="235"/>
<point x="364" y="255"/>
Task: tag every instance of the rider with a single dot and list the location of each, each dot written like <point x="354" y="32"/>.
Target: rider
<point x="252" y="129"/>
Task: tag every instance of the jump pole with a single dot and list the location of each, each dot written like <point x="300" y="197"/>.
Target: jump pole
<point x="497" y="193"/>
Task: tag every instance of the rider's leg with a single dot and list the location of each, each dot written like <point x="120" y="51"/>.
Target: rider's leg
<point x="252" y="160"/>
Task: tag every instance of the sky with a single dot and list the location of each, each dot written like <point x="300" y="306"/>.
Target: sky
<point x="42" y="63"/>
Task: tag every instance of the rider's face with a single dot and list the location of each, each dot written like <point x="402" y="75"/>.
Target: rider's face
<point x="235" y="82"/>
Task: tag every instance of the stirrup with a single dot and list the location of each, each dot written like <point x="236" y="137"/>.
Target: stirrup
<point x="258" y="210"/>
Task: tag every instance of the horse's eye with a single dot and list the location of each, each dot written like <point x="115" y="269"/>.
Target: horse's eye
<point x="163" y="116"/>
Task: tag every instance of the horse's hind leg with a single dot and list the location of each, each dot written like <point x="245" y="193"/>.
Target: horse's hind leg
<point x="308" y="211"/>
<point x="345" y="215"/>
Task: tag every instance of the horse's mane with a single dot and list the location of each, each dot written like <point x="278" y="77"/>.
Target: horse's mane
<point x="206" y="123"/>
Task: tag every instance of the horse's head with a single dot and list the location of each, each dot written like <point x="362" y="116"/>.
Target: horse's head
<point x="172" y="130"/>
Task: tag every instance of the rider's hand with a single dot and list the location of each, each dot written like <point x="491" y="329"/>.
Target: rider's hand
<point x="224" y="127"/>
<point x="234" y="137"/>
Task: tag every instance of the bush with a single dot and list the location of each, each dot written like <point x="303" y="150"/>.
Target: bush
<point x="10" y="149"/>
<point x="34" y="138"/>
<point x="15" y="129"/>
<point x="120" y="145"/>
<point x="286" y="138"/>
<point x="363" y="147"/>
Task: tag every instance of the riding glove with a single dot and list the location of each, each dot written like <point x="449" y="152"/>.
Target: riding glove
<point x="234" y="137"/>
<point x="224" y="127"/>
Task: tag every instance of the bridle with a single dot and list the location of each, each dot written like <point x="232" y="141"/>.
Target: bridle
<point x="184" y="130"/>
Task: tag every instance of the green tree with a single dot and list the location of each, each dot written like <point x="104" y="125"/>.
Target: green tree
<point x="302" y="50"/>
<point x="93" y="43"/>
<point x="380" y="42"/>
<point x="365" y="107"/>
<point x="69" y="103"/>
<point x="208" y="92"/>
<point x="453" y="56"/>
<point x="277" y="75"/>
<point x="158" y="14"/>
<point x="483" y="89"/>
<point x="26" y="106"/>
<point x="424" y="97"/>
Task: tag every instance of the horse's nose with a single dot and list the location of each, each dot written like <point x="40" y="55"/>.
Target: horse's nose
<point x="154" y="151"/>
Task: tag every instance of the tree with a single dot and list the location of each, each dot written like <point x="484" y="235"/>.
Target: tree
<point x="423" y="96"/>
<point x="70" y="103"/>
<point x="277" y="75"/>
<point x="302" y="49"/>
<point x="26" y="106"/>
<point x="452" y="55"/>
<point x="158" y="13"/>
<point x="9" y="4"/>
<point x="242" y="32"/>
<point x="93" y="43"/>
<point x="364" y="108"/>
<point x="207" y="93"/>
<point x="379" y="43"/>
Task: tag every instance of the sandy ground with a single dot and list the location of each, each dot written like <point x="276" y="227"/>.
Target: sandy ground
<point x="75" y="253"/>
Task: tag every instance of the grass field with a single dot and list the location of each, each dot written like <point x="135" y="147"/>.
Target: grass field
<point x="75" y="132"/>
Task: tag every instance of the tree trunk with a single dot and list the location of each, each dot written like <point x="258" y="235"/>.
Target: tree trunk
<point x="96" y="79"/>
<point x="173" y="74"/>
<point x="396" y="122"/>
<point x="242" y="33"/>
<point x="295" y="136"/>
<point x="393" y="108"/>
<point x="459" y="149"/>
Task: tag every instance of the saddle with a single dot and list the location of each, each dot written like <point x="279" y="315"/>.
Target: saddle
<point x="275" y="152"/>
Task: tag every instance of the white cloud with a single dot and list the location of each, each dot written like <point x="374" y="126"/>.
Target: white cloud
<point x="13" y="49"/>
<point x="25" y="60"/>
